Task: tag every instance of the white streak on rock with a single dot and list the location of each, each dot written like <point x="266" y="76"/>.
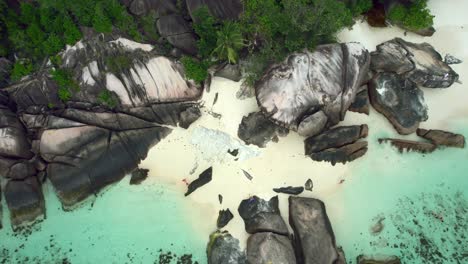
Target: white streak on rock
<point x="132" y="45"/>
<point x="115" y="85"/>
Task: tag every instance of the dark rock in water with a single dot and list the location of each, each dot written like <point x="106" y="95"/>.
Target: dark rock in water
<point x="361" y="103"/>
<point x="310" y="91"/>
<point x="312" y="231"/>
<point x="21" y="171"/>
<point x="229" y="71"/>
<point x="258" y="130"/>
<point x="341" y="256"/>
<point x="442" y="138"/>
<point x="189" y="116"/>
<point x="289" y="190"/>
<point x="309" y="185"/>
<point x="262" y="216"/>
<point x="25" y="201"/>
<point x="83" y="160"/>
<point x="270" y="248"/>
<point x="449" y="59"/>
<point x="409" y="145"/>
<point x="204" y="178"/>
<point x="346" y="153"/>
<point x="224" y="249"/>
<point x="234" y="152"/>
<point x="335" y="138"/>
<point x="378" y="226"/>
<point x="361" y="259"/>
<point x="222" y="9"/>
<point x="225" y="216"/>
<point x="138" y="176"/>
<point x="420" y="63"/>
<point x="399" y="100"/>
<point x="5" y="70"/>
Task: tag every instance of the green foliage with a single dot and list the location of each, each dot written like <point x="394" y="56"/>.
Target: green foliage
<point x="118" y="63"/>
<point x="64" y="80"/>
<point x="414" y="17"/>
<point x="20" y="69"/>
<point x="361" y="6"/>
<point x="229" y="42"/>
<point x="276" y="28"/>
<point x="148" y="24"/>
<point x="42" y="27"/>
<point x="205" y="28"/>
<point x="194" y="69"/>
<point x="105" y="97"/>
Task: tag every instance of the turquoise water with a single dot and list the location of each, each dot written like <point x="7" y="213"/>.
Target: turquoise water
<point x="126" y="224"/>
<point x="422" y="198"/>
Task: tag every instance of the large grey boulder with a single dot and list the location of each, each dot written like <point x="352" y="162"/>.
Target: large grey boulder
<point x="262" y="216"/>
<point x="399" y="100"/>
<point x="224" y="249"/>
<point x="420" y="63"/>
<point x="270" y="248"/>
<point x="178" y="32"/>
<point x="339" y="144"/>
<point x="25" y="201"/>
<point x="144" y="7"/>
<point x="313" y="233"/>
<point x="257" y="129"/>
<point x="133" y="74"/>
<point x="311" y="91"/>
<point x="222" y="9"/>
<point x="83" y="160"/>
<point x="13" y="140"/>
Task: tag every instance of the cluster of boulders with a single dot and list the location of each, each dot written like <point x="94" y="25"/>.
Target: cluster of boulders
<point x="310" y="92"/>
<point x="313" y="240"/>
<point x="86" y="143"/>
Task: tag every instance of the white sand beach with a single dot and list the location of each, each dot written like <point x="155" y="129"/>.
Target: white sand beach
<point x="284" y="163"/>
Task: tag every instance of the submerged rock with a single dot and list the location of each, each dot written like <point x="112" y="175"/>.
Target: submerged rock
<point x="290" y="190"/>
<point x="310" y="91"/>
<point x="338" y="144"/>
<point x="399" y="100"/>
<point x="258" y="130"/>
<point x="224" y="217"/>
<point x="449" y="59"/>
<point x="262" y="216"/>
<point x="204" y="178"/>
<point x="270" y="248"/>
<point x="442" y="138"/>
<point x="409" y="145"/>
<point x="25" y="201"/>
<point x="361" y="259"/>
<point x="224" y="249"/>
<point x="312" y="231"/>
<point x="138" y="176"/>
<point x="419" y="63"/>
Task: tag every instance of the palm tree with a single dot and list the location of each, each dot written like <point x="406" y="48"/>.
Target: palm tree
<point x="229" y="42"/>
